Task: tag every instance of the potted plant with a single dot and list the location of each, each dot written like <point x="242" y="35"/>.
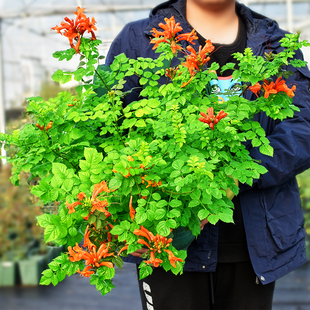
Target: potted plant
<point x="130" y="177"/>
<point x="20" y="235"/>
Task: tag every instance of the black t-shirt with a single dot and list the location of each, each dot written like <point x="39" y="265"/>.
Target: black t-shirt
<point x="232" y="245"/>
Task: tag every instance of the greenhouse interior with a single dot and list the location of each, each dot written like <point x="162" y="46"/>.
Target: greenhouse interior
<point x="27" y="44"/>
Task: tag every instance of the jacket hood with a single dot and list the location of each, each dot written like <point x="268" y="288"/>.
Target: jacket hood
<point x="260" y="29"/>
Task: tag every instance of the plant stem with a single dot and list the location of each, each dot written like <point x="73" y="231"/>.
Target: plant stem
<point x="102" y="80"/>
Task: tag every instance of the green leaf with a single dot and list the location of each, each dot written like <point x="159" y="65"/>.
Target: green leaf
<point x="140" y="217"/>
<point x="117" y="230"/>
<point x="72" y="231"/>
<point x="163" y="228"/>
<point x="57" y="76"/>
<point x="178" y="164"/>
<point x="140" y="123"/>
<point x="55" y="280"/>
<point x="50" y="233"/>
<point x="54" y="266"/>
<point x="193" y="203"/>
<point x="56" y="181"/>
<point x="48" y="273"/>
<point x="144" y="271"/>
<point x="159" y="214"/>
<point x="92" y="156"/>
<point x="174" y="213"/>
<point x="156" y="196"/>
<point x="196" y="194"/>
<point x="266" y="150"/>
<point x="227" y="217"/>
<point x="213" y="219"/>
<point x="203" y="214"/>
<point x="175" y="203"/>
<point x="60" y="170"/>
<point x="45" y="281"/>
<point x="44" y="220"/>
<point x="115" y="183"/>
<point x="67" y="185"/>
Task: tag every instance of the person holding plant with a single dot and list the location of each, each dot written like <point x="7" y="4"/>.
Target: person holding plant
<point x="232" y="266"/>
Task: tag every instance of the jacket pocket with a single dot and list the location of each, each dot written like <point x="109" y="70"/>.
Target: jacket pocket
<point x="285" y="219"/>
<point x="285" y="232"/>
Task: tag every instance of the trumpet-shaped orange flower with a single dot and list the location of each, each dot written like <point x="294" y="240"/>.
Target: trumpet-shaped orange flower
<point x="92" y="257"/>
<point x="74" y="29"/>
<point x="87" y="272"/>
<point x="255" y="89"/>
<point x="269" y="89"/>
<point x="153" y="261"/>
<point x="156" y="244"/>
<point x="122" y="249"/>
<point x="150" y="183"/>
<point x="211" y="119"/>
<point x="87" y="242"/>
<point x="132" y="211"/>
<point x="172" y="258"/>
<point x="71" y="206"/>
<point x="195" y="61"/>
<point x="169" y="35"/>
<point x="281" y="86"/>
<point x="97" y="205"/>
<point x="276" y="87"/>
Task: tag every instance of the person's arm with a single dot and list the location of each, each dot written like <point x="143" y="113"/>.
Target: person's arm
<point x="290" y="138"/>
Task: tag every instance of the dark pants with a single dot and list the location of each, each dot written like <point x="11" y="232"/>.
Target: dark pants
<point x="232" y="286"/>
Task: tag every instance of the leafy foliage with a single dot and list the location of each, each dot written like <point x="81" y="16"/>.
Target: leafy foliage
<point x="128" y="176"/>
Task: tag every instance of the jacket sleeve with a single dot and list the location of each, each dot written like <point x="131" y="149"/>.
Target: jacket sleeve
<point x="290" y="138"/>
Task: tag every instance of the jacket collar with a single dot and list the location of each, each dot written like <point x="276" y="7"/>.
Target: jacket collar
<point x="261" y="30"/>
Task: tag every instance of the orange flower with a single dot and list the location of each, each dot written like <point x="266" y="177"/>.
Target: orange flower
<point x="74" y="30"/>
<point x="281" y="86"/>
<point x="99" y="205"/>
<point x="99" y="188"/>
<point x="172" y="258"/>
<point x="92" y="257"/>
<point x="150" y="183"/>
<point x="122" y="249"/>
<point x="210" y="119"/>
<point x="196" y="61"/>
<point x="153" y="261"/>
<point x="156" y="243"/>
<point x="169" y="35"/>
<point x="81" y="196"/>
<point x="71" y="206"/>
<point x="278" y="86"/>
<point x="269" y="89"/>
<point x="87" y="242"/>
<point x="132" y="211"/>
<point x="86" y="272"/>
<point x="255" y="89"/>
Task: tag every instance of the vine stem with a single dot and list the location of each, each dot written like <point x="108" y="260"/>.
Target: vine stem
<point x="174" y="193"/>
<point x="75" y="167"/>
<point x="102" y="80"/>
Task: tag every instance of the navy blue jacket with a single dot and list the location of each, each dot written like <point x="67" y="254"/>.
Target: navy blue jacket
<point x="271" y="208"/>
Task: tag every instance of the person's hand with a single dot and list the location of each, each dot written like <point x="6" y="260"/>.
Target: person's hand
<point x="138" y="253"/>
<point x="203" y="223"/>
<point x="229" y="192"/>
